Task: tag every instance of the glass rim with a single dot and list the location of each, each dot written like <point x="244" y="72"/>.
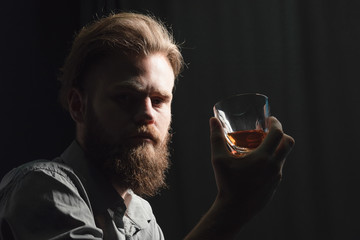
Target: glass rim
<point x="241" y="94"/>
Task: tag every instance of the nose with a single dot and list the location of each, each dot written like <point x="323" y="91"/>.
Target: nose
<point x="144" y="114"/>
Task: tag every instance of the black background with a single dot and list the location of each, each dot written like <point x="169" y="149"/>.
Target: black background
<point x="303" y="54"/>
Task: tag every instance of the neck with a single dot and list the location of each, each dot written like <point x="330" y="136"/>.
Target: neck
<point x="120" y="190"/>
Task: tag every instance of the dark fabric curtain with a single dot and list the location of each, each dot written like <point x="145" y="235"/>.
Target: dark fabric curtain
<point x="303" y="54"/>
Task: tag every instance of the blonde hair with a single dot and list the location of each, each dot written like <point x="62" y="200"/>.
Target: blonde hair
<point x="126" y="34"/>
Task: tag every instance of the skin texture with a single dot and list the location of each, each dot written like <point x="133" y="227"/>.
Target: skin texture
<point x="126" y="105"/>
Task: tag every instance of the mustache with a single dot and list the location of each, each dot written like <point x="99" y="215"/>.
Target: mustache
<point x="146" y="131"/>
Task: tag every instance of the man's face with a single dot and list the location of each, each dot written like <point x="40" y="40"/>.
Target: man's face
<point x="127" y="120"/>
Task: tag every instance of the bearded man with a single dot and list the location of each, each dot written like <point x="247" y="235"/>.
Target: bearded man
<point x="117" y="85"/>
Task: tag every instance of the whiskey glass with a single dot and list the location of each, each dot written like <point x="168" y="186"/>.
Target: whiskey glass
<point x="244" y="120"/>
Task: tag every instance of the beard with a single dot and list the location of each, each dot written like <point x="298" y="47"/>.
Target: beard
<point x="140" y="167"/>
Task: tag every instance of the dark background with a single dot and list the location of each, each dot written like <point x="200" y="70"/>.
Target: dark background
<point x="303" y="54"/>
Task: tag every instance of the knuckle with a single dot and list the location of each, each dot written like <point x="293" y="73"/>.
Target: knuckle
<point x="278" y="132"/>
<point x="290" y="141"/>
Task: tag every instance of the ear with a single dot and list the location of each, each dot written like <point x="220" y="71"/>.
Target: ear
<point x="76" y="102"/>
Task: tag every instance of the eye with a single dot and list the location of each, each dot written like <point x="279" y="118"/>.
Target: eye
<point x="157" y="101"/>
<point x="123" y="98"/>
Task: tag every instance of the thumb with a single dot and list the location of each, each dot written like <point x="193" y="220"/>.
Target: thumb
<point x="217" y="139"/>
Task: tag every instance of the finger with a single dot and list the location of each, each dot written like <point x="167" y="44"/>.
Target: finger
<point x="273" y="138"/>
<point x="217" y="139"/>
<point x="287" y="143"/>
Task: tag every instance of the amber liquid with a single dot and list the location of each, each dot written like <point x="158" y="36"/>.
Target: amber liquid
<point x="246" y="140"/>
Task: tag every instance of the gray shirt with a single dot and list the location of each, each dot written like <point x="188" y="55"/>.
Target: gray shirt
<point x="69" y="199"/>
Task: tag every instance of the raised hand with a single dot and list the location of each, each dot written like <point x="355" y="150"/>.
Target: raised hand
<point x="247" y="182"/>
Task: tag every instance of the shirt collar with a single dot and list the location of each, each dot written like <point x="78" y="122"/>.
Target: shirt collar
<point x="137" y="211"/>
<point x="100" y="191"/>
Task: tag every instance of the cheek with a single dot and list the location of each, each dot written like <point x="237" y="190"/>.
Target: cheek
<point x="163" y="123"/>
<point x="111" y="117"/>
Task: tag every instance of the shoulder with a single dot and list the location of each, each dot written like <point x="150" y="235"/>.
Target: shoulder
<point x="38" y="180"/>
<point x="47" y="166"/>
<point x="40" y="196"/>
<point x="44" y="169"/>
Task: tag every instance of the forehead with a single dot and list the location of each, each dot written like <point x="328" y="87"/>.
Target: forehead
<point x="146" y="73"/>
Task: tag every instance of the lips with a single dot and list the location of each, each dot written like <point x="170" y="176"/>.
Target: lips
<point x="143" y="137"/>
<point x="144" y="134"/>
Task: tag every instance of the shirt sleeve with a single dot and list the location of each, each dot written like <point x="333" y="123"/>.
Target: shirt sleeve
<point x="46" y="205"/>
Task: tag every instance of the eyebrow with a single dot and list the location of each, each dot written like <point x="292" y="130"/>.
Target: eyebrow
<point x="135" y="86"/>
<point x="129" y="85"/>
